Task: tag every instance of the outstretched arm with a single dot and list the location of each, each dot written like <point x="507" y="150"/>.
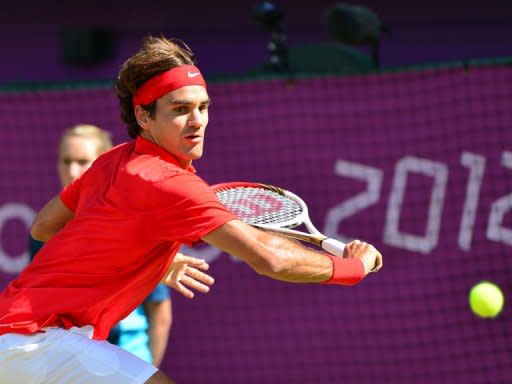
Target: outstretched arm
<point x="282" y="259"/>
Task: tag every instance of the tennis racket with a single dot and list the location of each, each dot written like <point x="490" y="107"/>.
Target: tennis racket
<point x="274" y="209"/>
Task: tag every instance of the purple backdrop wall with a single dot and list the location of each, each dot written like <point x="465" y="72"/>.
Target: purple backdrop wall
<point x="417" y="163"/>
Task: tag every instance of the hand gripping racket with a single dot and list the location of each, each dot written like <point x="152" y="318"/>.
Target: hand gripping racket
<point x="274" y="209"/>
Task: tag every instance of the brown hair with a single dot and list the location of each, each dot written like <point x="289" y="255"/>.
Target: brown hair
<point x="157" y="55"/>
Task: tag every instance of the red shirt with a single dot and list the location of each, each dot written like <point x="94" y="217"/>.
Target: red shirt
<point x="133" y="208"/>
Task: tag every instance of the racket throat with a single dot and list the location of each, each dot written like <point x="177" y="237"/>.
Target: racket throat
<point x="313" y="239"/>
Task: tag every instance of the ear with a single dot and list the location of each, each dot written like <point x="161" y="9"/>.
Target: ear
<point x="142" y="117"/>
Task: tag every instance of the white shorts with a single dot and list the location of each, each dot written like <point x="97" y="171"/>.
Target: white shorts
<point x="60" y="356"/>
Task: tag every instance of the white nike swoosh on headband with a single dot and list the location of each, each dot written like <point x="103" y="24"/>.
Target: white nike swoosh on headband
<point x="193" y="74"/>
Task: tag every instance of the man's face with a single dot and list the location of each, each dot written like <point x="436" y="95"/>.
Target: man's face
<point x="76" y="154"/>
<point x="179" y="125"/>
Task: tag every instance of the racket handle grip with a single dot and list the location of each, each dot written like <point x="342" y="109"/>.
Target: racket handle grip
<point x="333" y="246"/>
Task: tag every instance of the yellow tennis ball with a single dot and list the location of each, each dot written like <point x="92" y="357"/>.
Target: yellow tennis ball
<point x="486" y="299"/>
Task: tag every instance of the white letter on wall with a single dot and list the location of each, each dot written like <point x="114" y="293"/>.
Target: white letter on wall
<point x="392" y="234"/>
<point x="338" y="213"/>
<point x="26" y="214"/>
<point x="476" y="165"/>
<point x="495" y="230"/>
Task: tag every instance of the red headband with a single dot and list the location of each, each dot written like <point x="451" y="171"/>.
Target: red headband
<point x="166" y="82"/>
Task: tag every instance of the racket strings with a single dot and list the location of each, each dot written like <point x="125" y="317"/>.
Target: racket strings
<point x="257" y="206"/>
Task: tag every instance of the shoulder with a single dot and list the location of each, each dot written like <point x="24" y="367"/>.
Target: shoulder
<point x="112" y="158"/>
<point x="152" y="168"/>
<point x="162" y="177"/>
<point x="117" y="151"/>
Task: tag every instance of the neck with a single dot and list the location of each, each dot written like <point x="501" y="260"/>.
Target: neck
<point x="183" y="162"/>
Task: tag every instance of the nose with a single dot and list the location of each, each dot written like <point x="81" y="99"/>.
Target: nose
<point x="195" y="119"/>
<point x="75" y="170"/>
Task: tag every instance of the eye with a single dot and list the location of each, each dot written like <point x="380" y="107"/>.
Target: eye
<point x="203" y="107"/>
<point x="66" y="162"/>
<point x="83" y="162"/>
<point x="180" y="109"/>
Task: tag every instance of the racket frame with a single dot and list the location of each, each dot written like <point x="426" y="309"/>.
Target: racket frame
<point x="315" y="237"/>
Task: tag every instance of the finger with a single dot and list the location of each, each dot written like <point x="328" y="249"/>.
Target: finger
<point x="355" y="249"/>
<point x="349" y="250"/>
<point x="194" y="261"/>
<point x="377" y="264"/>
<point x="174" y="276"/>
<point x="183" y="290"/>
<point x="192" y="283"/>
<point x="200" y="276"/>
<point x="203" y="265"/>
<point x="355" y="243"/>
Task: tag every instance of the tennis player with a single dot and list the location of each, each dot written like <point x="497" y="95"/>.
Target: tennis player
<point x="114" y="233"/>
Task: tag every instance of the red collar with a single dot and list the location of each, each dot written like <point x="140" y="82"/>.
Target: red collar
<point x="144" y="146"/>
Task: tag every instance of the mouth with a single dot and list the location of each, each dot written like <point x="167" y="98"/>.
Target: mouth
<point x="194" y="137"/>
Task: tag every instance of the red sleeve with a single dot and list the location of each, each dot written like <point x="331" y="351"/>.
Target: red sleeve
<point x="191" y="210"/>
<point x="70" y="194"/>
